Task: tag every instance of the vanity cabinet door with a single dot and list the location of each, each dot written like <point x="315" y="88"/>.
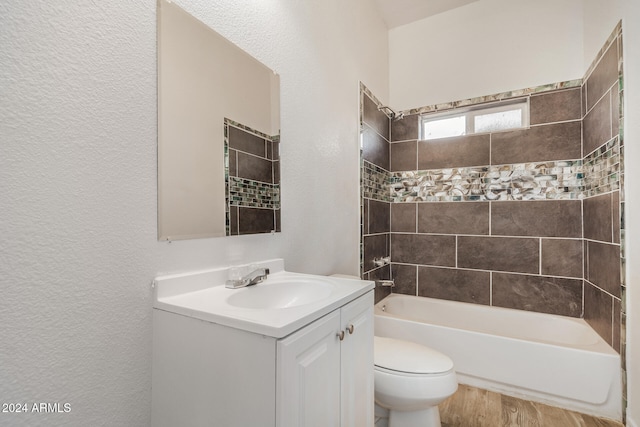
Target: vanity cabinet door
<point x="308" y="380"/>
<point x="357" y="362"/>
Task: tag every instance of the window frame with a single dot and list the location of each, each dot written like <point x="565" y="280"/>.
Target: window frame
<point x="470" y="113"/>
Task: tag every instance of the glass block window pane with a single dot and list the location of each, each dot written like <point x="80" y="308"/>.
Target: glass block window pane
<point x="512" y="114"/>
<point x="452" y="126"/>
<point x="498" y="121"/>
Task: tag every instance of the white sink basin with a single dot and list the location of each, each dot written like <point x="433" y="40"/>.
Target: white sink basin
<point x="281" y="293"/>
<point x="276" y="307"/>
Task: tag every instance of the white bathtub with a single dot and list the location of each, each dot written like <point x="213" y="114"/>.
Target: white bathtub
<point x="551" y="359"/>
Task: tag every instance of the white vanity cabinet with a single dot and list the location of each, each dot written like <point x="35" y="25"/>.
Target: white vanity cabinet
<point x="325" y="370"/>
<point x="215" y="364"/>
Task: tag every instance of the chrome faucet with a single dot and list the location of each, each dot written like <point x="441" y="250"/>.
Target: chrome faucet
<point x="255" y="277"/>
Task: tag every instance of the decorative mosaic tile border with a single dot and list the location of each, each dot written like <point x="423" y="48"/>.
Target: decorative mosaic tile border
<point x="253" y="194"/>
<point x="599" y="172"/>
<point x="246" y="192"/>
<point x="374" y="182"/>
<point x="492" y="98"/>
<point x="602" y="169"/>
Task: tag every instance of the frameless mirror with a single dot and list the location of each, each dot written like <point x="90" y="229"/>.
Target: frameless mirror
<point x="218" y="134"/>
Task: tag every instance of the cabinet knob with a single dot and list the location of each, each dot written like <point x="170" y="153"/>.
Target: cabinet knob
<point x="340" y="335"/>
<point x="350" y="329"/>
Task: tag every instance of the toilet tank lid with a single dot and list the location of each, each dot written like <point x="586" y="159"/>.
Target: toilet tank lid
<point x="409" y="357"/>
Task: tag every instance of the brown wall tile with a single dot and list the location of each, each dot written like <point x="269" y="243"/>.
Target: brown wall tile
<point x="378" y="216"/>
<point x="472" y="150"/>
<point x="556" y="106"/>
<point x="382" y="273"/>
<point x="247" y="142"/>
<point x="232" y="163"/>
<point x="603" y="76"/>
<point x="604" y="266"/>
<point x="547" y="218"/>
<point x="615" y="111"/>
<point x="519" y="255"/>
<point x="615" y="216"/>
<point x="562" y="257"/>
<point x="455" y="284"/>
<point x="233" y="220"/>
<point x="405" y="278"/>
<point x="598" y="213"/>
<point x="423" y="249"/>
<point x="375" y="118"/>
<point x="598" y="307"/>
<point x="405" y="128"/>
<point x="254" y="220"/>
<point x="376" y="246"/>
<point x="560" y="141"/>
<point x="453" y="217"/>
<point x="375" y="149"/>
<point x="597" y="125"/>
<point x="256" y="168"/>
<point x="403" y="156"/>
<point x="403" y="217"/>
<point x="538" y="293"/>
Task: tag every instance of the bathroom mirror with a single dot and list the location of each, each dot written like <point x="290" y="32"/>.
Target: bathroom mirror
<point x="218" y="134"/>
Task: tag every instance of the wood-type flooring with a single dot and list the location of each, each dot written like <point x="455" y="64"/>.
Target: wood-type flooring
<point x="473" y="407"/>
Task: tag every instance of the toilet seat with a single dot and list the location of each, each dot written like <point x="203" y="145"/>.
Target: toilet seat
<point x="408" y="358"/>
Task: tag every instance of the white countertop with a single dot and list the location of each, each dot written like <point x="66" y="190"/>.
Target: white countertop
<point x="202" y="295"/>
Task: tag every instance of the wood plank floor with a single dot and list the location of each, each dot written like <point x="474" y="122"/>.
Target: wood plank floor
<point x="473" y="407"/>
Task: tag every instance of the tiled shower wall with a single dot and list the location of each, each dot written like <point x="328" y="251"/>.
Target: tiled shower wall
<point x="252" y="175"/>
<point x="497" y="218"/>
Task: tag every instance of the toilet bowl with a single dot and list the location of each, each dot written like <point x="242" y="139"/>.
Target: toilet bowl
<point x="410" y="380"/>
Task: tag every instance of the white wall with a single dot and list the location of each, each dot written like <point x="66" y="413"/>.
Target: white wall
<point x="483" y="48"/>
<point x="631" y="44"/>
<point x="78" y="182"/>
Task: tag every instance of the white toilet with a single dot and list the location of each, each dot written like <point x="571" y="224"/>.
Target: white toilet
<point x="410" y="380"/>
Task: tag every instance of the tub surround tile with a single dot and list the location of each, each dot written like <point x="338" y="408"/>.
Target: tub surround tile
<point x="378" y="213"/>
<point x="232" y="226"/>
<point x="376" y="246"/>
<point x="562" y="257"/>
<point x="375" y="149"/>
<point x="248" y="142"/>
<point x="455" y="284"/>
<point x="254" y="168"/>
<point x="538" y="293"/>
<point x="597" y="125"/>
<point x="615" y="216"/>
<point x="438" y="250"/>
<point x="617" y="325"/>
<point x="598" y="313"/>
<point x="598" y="212"/>
<point x="558" y="106"/>
<point x="233" y="170"/>
<point x="405" y="279"/>
<point x="375" y="118"/>
<point x="526" y="181"/>
<point x="374" y="182"/>
<point x="558" y="141"/>
<point x="403" y="217"/>
<point x="548" y="218"/>
<point x="255" y="220"/>
<point x="512" y="254"/>
<point x="403" y="156"/>
<point x="381" y="273"/>
<point x="405" y="128"/>
<point x="460" y="151"/>
<point x="604" y="266"/>
<point x="603" y="76"/>
<point x="453" y="218"/>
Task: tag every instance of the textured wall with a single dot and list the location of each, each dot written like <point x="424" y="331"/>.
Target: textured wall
<point x="78" y="183"/>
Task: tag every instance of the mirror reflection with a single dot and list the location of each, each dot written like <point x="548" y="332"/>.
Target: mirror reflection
<point x="218" y="134"/>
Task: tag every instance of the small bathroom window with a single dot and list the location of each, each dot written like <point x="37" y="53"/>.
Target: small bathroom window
<point x="467" y="121"/>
